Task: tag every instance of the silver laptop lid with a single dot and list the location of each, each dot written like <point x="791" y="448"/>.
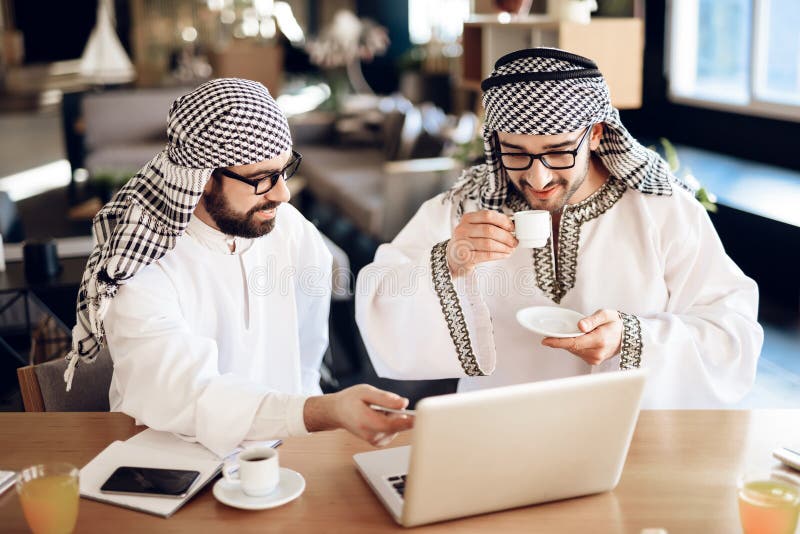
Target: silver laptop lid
<point x="505" y="447"/>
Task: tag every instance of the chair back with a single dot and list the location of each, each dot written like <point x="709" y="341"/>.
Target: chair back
<point x="43" y="389"/>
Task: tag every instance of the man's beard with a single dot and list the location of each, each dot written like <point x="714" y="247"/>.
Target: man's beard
<point x="231" y="222"/>
<point x="553" y="205"/>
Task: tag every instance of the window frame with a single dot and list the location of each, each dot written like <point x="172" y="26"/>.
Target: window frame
<point x="676" y="46"/>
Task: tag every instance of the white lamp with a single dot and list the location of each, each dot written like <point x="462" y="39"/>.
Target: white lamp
<point x="104" y="60"/>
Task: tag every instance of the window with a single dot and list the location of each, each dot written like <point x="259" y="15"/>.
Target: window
<point x="736" y="55"/>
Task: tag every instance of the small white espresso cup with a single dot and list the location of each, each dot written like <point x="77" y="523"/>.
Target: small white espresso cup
<point x="532" y="228"/>
<point x="259" y="472"/>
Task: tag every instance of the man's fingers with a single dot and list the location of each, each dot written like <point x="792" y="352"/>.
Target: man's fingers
<point x="592" y="355"/>
<point x="575" y="344"/>
<point x="594" y="347"/>
<point x="372" y="421"/>
<point x="381" y="439"/>
<point x="489" y="217"/>
<point x="389" y="424"/>
<point x="600" y="317"/>
<point x="377" y="439"/>
<point x="372" y="395"/>
<point x="568" y="343"/>
<point x="481" y="244"/>
<point x="489" y="231"/>
<point x="386" y="440"/>
<point x="588" y="323"/>
<point x="397" y="423"/>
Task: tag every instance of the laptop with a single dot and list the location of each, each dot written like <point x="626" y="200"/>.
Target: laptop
<point x="501" y="448"/>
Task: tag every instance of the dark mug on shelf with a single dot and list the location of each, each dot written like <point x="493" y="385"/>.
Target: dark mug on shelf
<point x="41" y="260"/>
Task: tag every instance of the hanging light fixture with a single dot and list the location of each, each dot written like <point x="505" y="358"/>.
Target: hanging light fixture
<point x="104" y="60"/>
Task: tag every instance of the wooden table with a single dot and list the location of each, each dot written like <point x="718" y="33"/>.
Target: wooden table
<point x="680" y="475"/>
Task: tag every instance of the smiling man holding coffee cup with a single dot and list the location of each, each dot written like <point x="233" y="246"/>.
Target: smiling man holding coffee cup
<point x="212" y="292"/>
<point x="570" y="211"/>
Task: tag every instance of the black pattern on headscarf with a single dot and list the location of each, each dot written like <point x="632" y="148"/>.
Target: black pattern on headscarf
<point x="222" y="123"/>
<point x="546" y="91"/>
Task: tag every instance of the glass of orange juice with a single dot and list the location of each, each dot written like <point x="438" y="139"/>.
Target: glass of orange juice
<point x="768" y="505"/>
<point x="49" y="496"/>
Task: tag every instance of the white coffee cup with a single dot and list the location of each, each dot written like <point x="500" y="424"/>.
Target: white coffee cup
<point x="532" y="228"/>
<point x="259" y="471"/>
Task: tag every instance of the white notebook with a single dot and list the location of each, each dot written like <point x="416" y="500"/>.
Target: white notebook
<point x="151" y="448"/>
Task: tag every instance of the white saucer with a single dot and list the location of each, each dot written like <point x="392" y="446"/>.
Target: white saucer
<point x="289" y="488"/>
<point x="550" y="321"/>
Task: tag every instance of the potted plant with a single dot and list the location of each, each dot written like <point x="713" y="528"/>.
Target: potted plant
<point x="107" y="182"/>
<point x="705" y="197"/>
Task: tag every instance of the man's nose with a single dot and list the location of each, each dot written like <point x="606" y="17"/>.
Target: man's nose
<point x="538" y="175"/>
<point x="279" y="193"/>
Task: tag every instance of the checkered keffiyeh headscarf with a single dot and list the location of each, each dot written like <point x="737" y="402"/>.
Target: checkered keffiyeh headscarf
<point x="222" y="123"/>
<point x="547" y="91"/>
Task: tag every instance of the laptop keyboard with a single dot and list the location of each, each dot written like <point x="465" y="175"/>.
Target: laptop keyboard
<point x="398" y="482"/>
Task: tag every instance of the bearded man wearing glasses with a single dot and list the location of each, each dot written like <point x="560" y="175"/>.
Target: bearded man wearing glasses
<point x="630" y="250"/>
<point x="212" y="293"/>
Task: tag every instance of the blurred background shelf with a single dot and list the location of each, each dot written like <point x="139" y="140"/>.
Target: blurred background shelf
<point x="615" y="44"/>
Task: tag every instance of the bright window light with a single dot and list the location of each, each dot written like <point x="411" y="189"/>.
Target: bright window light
<point x="737" y="55"/>
<point x="37" y="180"/>
<point x="778" y="65"/>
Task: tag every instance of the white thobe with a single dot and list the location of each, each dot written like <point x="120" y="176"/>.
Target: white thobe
<point x="220" y="346"/>
<point x="689" y="312"/>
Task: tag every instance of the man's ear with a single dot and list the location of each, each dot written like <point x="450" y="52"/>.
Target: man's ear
<point x="596" y="135"/>
<point x="209" y="184"/>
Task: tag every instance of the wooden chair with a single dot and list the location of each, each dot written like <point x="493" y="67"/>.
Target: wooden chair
<point x="43" y="389"/>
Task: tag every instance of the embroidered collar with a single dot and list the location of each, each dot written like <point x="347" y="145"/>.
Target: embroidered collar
<point x="215" y="240"/>
<point x="555" y="276"/>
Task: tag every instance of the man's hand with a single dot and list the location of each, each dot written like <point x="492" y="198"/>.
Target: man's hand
<point x="601" y="341"/>
<point x="349" y="409"/>
<point x="480" y="236"/>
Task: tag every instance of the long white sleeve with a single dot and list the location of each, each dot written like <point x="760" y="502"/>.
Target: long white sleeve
<point x="400" y="312"/>
<point x="702" y="351"/>
<point x="689" y="313"/>
<point x="168" y="377"/>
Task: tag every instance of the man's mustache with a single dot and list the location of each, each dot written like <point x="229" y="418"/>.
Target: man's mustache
<point x="525" y="183"/>
<point x="266" y="206"/>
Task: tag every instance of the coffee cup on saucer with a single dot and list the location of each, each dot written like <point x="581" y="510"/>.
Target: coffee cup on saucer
<point x="259" y="483"/>
<point x="258" y="473"/>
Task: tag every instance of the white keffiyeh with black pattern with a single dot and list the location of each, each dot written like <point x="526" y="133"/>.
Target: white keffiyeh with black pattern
<point x="222" y="123"/>
<point x="546" y="91"/>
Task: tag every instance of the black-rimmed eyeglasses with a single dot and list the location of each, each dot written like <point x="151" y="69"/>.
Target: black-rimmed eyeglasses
<point x="556" y="160"/>
<point x="264" y="183"/>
